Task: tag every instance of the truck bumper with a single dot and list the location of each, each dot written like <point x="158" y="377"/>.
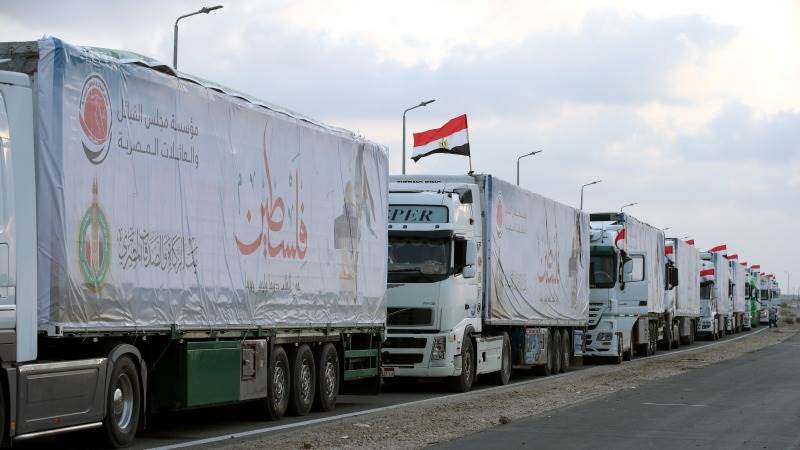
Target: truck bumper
<point x="603" y="343"/>
<point x="705" y="325"/>
<point x="409" y="355"/>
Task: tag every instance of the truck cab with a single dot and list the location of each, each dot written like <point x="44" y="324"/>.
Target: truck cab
<point x="713" y="291"/>
<point x="619" y="318"/>
<point x="434" y="277"/>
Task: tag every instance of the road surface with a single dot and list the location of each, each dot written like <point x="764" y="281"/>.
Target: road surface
<point x="752" y="401"/>
<point x="191" y="428"/>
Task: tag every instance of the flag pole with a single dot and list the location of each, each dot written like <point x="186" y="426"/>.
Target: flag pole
<point x="470" y="154"/>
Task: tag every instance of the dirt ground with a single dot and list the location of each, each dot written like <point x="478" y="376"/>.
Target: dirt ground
<point x="419" y="425"/>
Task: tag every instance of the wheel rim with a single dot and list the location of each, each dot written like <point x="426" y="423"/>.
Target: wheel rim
<point x="123" y="401"/>
<point x="330" y="378"/>
<point x="306" y="381"/>
<point x="279" y="385"/>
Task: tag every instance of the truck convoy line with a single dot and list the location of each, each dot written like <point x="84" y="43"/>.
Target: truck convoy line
<point x="167" y="243"/>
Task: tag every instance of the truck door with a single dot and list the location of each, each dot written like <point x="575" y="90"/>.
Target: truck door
<point x="7" y="272"/>
<point x="18" y="265"/>
<point x="635" y="292"/>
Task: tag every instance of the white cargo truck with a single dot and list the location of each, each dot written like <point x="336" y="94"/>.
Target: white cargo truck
<point x="765" y="297"/>
<point x="483" y="277"/>
<point x="682" y="301"/>
<point x="750" y="311"/>
<point x="716" y="306"/>
<point x="627" y="279"/>
<point x="738" y="286"/>
<point x="167" y="243"/>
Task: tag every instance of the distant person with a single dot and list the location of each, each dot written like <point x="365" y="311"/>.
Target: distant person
<point x="773" y="316"/>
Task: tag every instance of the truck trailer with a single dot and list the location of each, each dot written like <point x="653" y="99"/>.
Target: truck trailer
<point x="716" y="306"/>
<point x="682" y="301"/>
<point x="484" y="277"/>
<point x="167" y="243"/>
<point x="738" y="282"/>
<point x="627" y="279"/>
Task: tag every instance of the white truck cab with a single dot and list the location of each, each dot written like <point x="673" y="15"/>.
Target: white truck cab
<point x="627" y="287"/>
<point x="433" y="281"/>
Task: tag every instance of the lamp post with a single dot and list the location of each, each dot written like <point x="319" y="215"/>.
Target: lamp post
<point x="625" y="206"/>
<point x="788" y="282"/>
<point x="526" y="154"/>
<point x="587" y="184"/>
<point x="421" y="104"/>
<point x="203" y="10"/>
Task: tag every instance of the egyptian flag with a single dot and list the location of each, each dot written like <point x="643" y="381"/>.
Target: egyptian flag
<point x="451" y="138"/>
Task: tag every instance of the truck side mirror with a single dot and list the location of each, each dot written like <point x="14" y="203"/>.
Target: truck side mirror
<point x="471" y="259"/>
<point x="673" y="276"/>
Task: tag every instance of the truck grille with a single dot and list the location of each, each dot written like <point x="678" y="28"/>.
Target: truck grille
<point x="401" y="359"/>
<point x="405" y="342"/>
<point x="409" y="316"/>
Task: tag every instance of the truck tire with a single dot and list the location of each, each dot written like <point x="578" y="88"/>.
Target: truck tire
<point x="653" y="344"/>
<point x="301" y="397"/>
<point x="620" y="357"/>
<point x="123" y="403"/>
<point x="627" y="355"/>
<point x="556" y="347"/>
<point x="3" y="430"/>
<point x="566" y="345"/>
<point x="666" y="343"/>
<point x="503" y="376"/>
<point x="278" y="393"/>
<point x="463" y="382"/>
<point x="327" y="378"/>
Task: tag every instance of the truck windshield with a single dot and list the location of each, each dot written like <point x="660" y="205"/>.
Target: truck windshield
<point x="602" y="271"/>
<point x="706" y="290"/>
<point x="418" y="260"/>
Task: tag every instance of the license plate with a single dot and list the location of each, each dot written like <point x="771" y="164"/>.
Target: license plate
<point x="388" y="372"/>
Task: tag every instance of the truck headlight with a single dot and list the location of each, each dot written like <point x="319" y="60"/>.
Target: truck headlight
<point x="605" y="337"/>
<point x="439" y="348"/>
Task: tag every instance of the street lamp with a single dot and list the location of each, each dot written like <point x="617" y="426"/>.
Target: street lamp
<point x="203" y="10"/>
<point x="625" y="206"/>
<point x="421" y="104"/>
<point x="526" y="154"/>
<point x="587" y="184"/>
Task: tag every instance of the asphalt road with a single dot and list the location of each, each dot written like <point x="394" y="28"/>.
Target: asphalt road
<point x="192" y="427"/>
<point x="752" y="401"/>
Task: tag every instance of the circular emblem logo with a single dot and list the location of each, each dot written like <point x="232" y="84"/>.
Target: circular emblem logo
<point x="95" y="119"/>
<point x="94" y="245"/>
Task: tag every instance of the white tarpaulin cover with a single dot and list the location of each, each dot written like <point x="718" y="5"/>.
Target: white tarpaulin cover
<point x="739" y="280"/>
<point x="722" y="279"/>
<point x="537" y="258"/>
<point x="687" y="294"/>
<point x="643" y="238"/>
<point x="165" y="202"/>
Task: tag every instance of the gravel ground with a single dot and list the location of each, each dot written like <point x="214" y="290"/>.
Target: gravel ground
<point x="423" y="424"/>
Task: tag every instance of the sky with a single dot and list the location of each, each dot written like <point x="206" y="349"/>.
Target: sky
<point x="690" y="109"/>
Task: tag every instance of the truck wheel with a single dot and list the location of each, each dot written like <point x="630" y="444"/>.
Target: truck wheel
<point x="123" y="403"/>
<point x="627" y="355"/>
<point x="653" y="338"/>
<point x="667" y="342"/>
<point x="556" y="351"/>
<point x="620" y="357"/>
<point x="566" y="344"/>
<point x="327" y="377"/>
<point x="303" y="381"/>
<point x="463" y="383"/>
<point x="503" y="376"/>
<point x="278" y="394"/>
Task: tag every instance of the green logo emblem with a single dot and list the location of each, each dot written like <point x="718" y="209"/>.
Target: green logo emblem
<point x="94" y="245"/>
